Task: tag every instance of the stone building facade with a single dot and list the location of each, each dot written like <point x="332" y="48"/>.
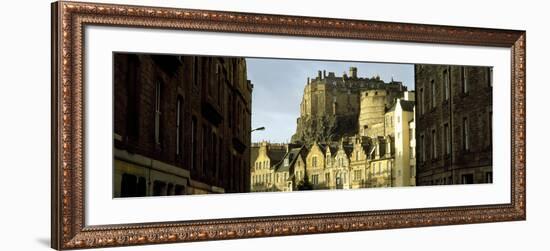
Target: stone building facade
<point x="265" y="160"/>
<point x="454" y="124"/>
<point x="181" y="125"/>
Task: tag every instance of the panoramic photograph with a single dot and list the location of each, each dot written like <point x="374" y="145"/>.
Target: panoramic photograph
<point x="192" y="124"/>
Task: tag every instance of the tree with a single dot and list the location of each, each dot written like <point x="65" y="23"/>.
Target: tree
<point x="305" y="184"/>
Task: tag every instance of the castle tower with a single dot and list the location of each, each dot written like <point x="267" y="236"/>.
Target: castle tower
<point x="371" y="115"/>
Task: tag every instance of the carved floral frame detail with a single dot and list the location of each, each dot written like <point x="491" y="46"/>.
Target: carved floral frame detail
<point x="68" y="22"/>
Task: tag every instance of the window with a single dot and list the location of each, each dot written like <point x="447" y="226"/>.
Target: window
<point x="170" y="189"/>
<point x="327" y="178"/>
<point x="196" y="71"/>
<point x="422" y="148"/>
<point x="434" y="144"/>
<point x="128" y="186"/>
<point x="179" y="190"/>
<point x="433" y="93"/>
<point x="159" y="188"/>
<point x="490" y="76"/>
<point x="447" y="139"/>
<point x="411" y="152"/>
<point x="194" y="142"/>
<point x="205" y="147"/>
<point x="465" y="134"/>
<point x="315" y="179"/>
<point x="179" y="133"/>
<point x="421" y="101"/>
<point x="157" y="112"/>
<point x="314" y="161"/>
<point x="468" y="179"/>
<point x="489" y="177"/>
<point x="447" y="83"/>
<point x="357" y="175"/>
<point x="464" y="78"/>
<point x="220" y="82"/>
<point x="490" y="129"/>
<point x="215" y="154"/>
<point x="230" y="109"/>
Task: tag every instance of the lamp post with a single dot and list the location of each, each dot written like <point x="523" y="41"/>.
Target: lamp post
<point x="258" y="129"/>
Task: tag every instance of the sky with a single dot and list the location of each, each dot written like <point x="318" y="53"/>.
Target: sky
<point x="279" y="85"/>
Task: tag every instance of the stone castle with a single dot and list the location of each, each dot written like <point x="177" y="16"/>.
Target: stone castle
<point x="331" y="105"/>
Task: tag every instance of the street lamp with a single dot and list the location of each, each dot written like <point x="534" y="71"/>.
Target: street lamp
<point x="258" y="129"/>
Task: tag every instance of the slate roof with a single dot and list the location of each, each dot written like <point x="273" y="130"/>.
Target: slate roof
<point x="333" y="148"/>
<point x="348" y="149"/>
<point x="406" y="105"/>
<point x="293" y="156"/>
<point x="276" y="155"/>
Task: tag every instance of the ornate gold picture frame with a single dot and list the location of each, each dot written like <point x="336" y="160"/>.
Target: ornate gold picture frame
<point x="69" y="230"/>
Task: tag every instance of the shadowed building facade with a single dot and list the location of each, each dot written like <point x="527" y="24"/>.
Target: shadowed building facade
<point x="181" y="125"/>
<point x="453" y="124"/>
